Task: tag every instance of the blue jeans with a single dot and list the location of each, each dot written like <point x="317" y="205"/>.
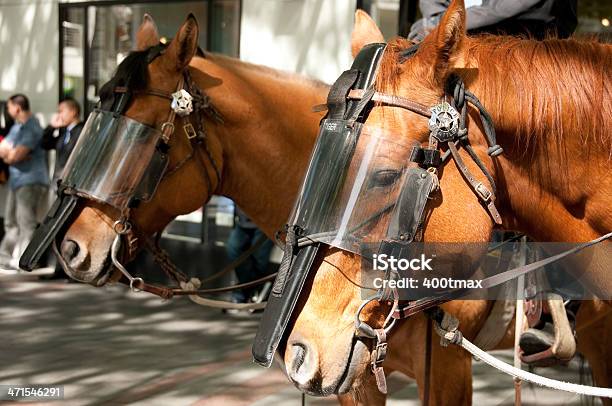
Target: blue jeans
<point x="255" y="266"/>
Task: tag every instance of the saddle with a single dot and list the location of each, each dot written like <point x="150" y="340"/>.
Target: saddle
<point x="550" y="339"/>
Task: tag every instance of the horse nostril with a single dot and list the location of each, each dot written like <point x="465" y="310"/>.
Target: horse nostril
<point x="299" y="355"/>
<point x="302" y="363"/>
<point x="70" y="250"/>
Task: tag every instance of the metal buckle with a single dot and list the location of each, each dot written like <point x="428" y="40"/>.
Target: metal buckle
<point x="190" y="131"/>
<point x="379" y="354"/>
<point x="483" y="191"/>
<point x="169" y="128"/>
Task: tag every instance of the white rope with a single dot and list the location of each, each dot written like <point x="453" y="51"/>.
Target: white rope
<point x="448" y="330"/>
<point x="194" y="284"/>
<point x="222" y="304"/>
<point x="533" y="378"/>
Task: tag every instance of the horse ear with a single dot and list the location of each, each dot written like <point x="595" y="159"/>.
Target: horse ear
<point x="147" y="35"/>
<point x="183" y="46"/>
<point x="365" y="32"/>
<point x="447" y="38"/>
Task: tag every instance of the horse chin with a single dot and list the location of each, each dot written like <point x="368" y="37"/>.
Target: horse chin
<point x="356" y="369"/>
<point x="109" y="276"/>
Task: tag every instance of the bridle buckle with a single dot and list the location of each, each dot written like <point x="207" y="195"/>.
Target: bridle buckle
<point x="483" y="192"/>
<point x="167" y="130"/>
<point x="379" y="353"/>
<point x="190" y="131"/>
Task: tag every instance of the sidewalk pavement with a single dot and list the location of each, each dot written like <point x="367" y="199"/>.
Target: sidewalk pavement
<point x="109" y="346"/>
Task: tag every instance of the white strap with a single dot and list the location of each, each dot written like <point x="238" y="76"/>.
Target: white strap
<point x="533" y="378"/>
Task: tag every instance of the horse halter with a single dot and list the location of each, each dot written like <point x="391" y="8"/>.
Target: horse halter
<point x="347" y="190"/>
<point x="120" y="162"/>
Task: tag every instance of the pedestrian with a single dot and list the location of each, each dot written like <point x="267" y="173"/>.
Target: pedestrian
<point x="28" y="179"/>
<point x="61" y="135"/>
<point x="243" y="237"/>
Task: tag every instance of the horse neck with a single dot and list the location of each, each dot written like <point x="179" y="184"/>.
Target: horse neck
<point x="268" y="133"/>
<point x="550" y="117"/>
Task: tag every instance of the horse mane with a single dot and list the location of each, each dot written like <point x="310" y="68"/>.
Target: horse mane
<point x="546" y="90"/>
<point x="555" y="88"/>
<point x="132" y="73"/>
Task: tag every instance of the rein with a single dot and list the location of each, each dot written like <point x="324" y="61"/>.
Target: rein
<point x="168" y="292"/>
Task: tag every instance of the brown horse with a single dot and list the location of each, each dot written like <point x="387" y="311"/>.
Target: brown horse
<point x="551" y="105"/>
<point x="261" y="147"/>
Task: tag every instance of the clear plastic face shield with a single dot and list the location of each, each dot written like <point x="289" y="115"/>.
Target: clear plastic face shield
<point x="115" y="161"/>
<point x="353" y="186"/>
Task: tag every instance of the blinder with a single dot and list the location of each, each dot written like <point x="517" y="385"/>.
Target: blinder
<point x="334" y="150"/>
<point x="407" y="216"/>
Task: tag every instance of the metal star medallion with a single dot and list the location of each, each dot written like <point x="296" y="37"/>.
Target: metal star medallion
<point x="444" y="122"/>
<point x="182" y="103"/>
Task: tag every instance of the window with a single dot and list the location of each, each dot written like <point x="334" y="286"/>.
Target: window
<point x="393" y="17"/>
<point x="95" y="37"/>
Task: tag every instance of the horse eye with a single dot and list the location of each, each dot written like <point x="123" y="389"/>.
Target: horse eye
<point x="384" y="178"/>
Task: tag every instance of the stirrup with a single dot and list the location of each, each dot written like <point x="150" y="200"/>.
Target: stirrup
<point x="551" y="345"/>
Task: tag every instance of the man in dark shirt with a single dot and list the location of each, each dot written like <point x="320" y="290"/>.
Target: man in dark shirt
<point x="62" y="133"/>
<point x="535" y="18"/>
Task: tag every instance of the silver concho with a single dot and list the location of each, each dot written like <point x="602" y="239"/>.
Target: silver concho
<point x="444" y="122"/>
<point x="182" y="103"/>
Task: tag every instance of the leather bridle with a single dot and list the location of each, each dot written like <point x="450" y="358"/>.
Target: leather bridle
<point x="193" y="125"/>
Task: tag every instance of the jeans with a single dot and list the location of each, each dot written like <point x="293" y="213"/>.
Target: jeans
<point x="255" y="266"/>
<point x="20" y="219"/>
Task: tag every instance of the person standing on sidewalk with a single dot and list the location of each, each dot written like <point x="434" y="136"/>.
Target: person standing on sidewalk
<point x="61" y="135"/>
<point x="243" y="237"/>
<point x="28" y="179"/>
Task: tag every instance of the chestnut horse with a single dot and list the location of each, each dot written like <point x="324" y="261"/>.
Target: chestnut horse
<point x="261" y="147"/>
<point x="551" y="105"/>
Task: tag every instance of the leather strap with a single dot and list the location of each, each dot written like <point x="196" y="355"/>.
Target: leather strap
<point x="391" y="100"/>
<point x="378" y="356"/>
<point x="336" y="99"/>
<point x="166" y="292"/>
<point x="480" y="190"/>
<point x="417" y="306"/>
<point x="428" y="355"/>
